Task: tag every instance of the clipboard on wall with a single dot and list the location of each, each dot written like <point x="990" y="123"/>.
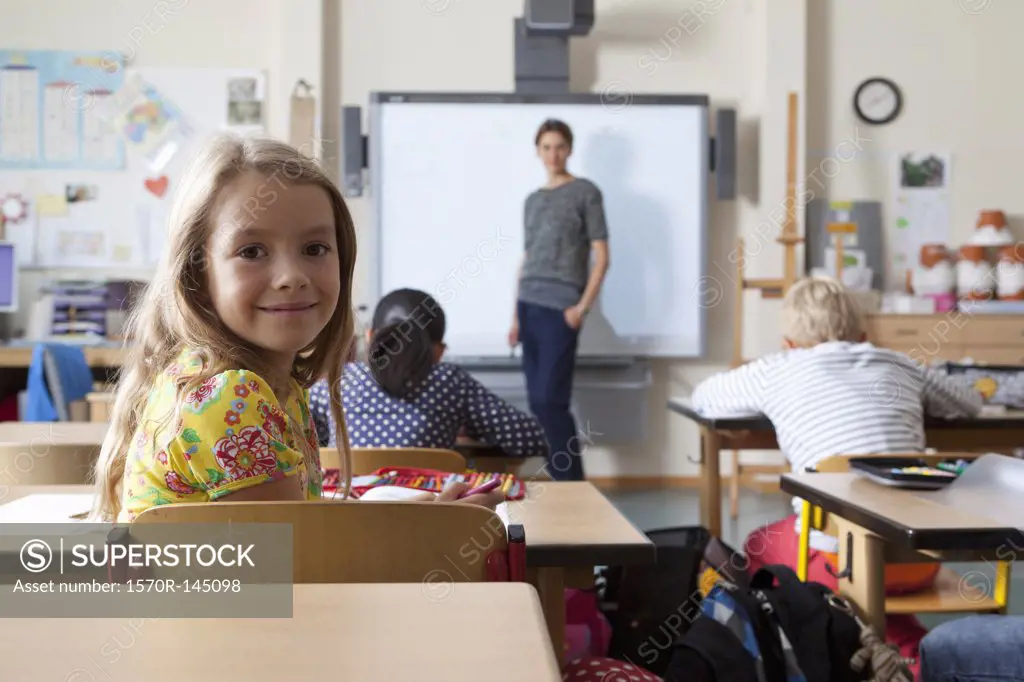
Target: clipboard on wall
<point x="302" y="122"/>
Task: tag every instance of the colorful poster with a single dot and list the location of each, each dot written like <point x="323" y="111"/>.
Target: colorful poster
<point x="48" y="104"/>
<point x="149" y="122"/>
<point x="920" y="211"/>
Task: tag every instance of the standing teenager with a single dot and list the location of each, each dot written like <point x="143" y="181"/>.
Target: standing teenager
<point x="563" y="267"/>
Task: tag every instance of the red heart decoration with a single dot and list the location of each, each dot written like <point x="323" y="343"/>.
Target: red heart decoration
<point x="158" y="186"/>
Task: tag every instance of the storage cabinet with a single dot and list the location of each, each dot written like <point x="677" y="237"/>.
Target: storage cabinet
<point x="988" y="339"/>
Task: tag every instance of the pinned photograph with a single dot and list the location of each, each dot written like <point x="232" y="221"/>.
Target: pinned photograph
<point x="76" y="193"/>
<point x="923" y="170"/>
<point x="245" y="105"/>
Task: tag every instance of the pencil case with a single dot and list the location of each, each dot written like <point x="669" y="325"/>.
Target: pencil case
<point x="427" y="480"/>
<point x="997" y="384"/>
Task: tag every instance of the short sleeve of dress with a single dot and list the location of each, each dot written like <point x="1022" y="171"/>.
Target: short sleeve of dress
<point x="231" y="436"/>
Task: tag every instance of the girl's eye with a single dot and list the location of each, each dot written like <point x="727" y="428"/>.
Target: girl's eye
<point x="317" y="249"/>
<point x="251" y="252"/>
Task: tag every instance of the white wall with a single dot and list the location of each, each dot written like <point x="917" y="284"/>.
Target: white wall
<point x="956" y="70"/>
<point x="958" y="65"/>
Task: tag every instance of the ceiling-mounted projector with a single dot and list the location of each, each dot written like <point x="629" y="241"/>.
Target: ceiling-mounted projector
<point x="559" y="17"/>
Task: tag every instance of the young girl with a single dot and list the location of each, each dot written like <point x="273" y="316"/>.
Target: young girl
<point x="250" y="303"/>
<point x="404" y="396"/>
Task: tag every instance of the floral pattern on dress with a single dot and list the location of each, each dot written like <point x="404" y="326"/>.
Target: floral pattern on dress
<point x="205" y="395"/>
<point x="175" y="483"/>
<point x="245" y="454"/>
<point x="273" y="420"/>
<point x="228" y="433"/>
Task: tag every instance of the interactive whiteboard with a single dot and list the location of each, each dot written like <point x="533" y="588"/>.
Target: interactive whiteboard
<point x="449" y="178"/>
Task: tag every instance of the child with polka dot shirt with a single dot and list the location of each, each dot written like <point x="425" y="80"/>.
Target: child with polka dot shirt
<point x="402" y="395"/>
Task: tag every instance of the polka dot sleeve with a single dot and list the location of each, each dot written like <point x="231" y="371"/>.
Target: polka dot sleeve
<point x="491" y="419"/>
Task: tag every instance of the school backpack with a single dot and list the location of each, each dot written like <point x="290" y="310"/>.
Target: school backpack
<point x="787" y="631"/>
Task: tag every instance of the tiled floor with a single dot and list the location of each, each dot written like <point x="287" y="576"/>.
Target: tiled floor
<point x="670" y="508"/>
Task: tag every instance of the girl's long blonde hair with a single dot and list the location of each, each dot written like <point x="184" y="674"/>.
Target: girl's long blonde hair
<point x="175" y="313"/>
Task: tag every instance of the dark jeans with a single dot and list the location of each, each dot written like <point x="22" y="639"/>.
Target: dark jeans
<point x="974" y="649"/>
<point x="549" y="358"/>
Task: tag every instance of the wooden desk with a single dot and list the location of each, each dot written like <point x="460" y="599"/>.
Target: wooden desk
<point x="93" y="432"/>
<point x="492" y="631"/>
<point x="96" y="356"/>
<point x="15" y="360"/>
<point x="71" y="433"/>
<point x="888" y="525"/>
<point x="570" y="528"/>
<point x="756" y="433"/>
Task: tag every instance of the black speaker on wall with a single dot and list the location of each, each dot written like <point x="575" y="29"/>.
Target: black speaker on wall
<point x="353" y="149"/>
<point x="723" y="158"/>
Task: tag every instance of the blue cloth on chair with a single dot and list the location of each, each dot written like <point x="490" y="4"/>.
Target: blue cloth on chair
<point x="73" y="377"/>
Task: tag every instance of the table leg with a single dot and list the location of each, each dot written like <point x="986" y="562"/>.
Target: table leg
<point x="865" y="585"/>
<point x="550" y="584"/>
<point x="711" y="482"/>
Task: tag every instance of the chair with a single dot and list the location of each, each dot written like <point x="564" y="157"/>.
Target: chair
<point x="372" y="542"/>
<point x="40" y="462"/>
<point x="367" y="460"/>
<point x="949" y="594"/>
<point x="58" y="377"/>
<point x="99" y="405"/>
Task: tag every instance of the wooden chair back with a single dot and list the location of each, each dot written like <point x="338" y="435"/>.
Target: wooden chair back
<point x="99" y="405"/>
<point x="363" y="542"/>
<point x="39" y="462"/>
<point x="367" y="460"/>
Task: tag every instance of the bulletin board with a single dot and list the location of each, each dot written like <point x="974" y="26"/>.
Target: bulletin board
<point x="98" y="217"/>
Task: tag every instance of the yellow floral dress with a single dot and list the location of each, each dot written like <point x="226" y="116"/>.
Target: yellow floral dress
<point x="231" y="433"/>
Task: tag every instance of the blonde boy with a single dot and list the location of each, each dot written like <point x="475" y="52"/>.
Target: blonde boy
<point x="831" y="392"/>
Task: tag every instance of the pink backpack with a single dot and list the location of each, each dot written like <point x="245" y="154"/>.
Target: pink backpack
<point x="587" y="632"/>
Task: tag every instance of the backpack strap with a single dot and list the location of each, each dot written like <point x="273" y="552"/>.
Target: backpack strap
<point x="801" y="597"/>
<point x="766" y="634"/>
<point x="806" y="618"/>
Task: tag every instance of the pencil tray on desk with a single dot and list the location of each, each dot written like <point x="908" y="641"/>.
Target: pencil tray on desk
<point x="427" y="480"/>
<point x="998" y="384"/>
<point x="903" y="472"/>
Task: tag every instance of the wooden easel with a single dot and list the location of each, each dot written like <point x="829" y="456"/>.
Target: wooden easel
<point x="769" y="288"/>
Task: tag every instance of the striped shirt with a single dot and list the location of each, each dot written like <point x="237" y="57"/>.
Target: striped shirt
<point x="839" y="398"/>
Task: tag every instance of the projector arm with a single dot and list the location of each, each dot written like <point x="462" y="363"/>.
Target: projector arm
<point x="542" y="43"/>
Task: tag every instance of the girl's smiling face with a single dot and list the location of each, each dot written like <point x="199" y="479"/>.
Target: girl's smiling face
<point x="273" y="274"/>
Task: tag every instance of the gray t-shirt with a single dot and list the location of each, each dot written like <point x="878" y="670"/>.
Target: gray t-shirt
<point x="559" y="225"/>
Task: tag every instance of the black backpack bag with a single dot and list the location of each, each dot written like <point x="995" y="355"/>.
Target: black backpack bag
<point x="820" y="628"/>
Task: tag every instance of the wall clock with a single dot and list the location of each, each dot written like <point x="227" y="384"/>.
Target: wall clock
<point x="877" y="101"/>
